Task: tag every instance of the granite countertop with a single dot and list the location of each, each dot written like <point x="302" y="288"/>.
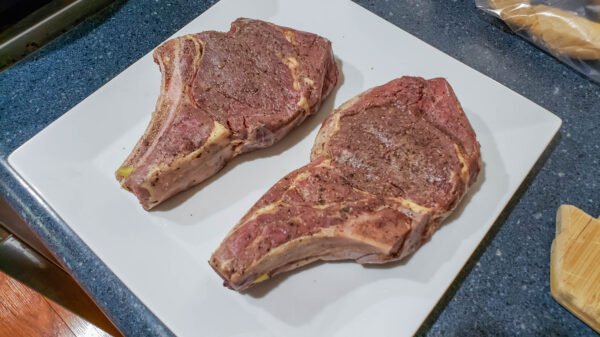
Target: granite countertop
<point x="503" y="290"/>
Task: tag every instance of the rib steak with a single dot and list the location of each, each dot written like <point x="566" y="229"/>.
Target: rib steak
<point x="224" y="94"/>
<point x="386" y="168"/>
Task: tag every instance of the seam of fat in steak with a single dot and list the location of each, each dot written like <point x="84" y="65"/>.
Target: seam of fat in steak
<point x="224" y="94"/>
<point x="386" y="168"/>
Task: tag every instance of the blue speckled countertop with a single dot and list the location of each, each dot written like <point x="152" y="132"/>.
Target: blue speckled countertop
<point x="503" y="291"/>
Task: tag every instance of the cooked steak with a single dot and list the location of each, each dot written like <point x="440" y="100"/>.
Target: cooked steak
<point x="224" y="94"/>
<point x="386" y="168"/>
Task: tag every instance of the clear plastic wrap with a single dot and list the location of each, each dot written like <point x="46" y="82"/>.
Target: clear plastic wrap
<point x="567" y="29"/>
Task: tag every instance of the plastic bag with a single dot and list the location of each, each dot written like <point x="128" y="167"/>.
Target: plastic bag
<point x="567" y="29"/>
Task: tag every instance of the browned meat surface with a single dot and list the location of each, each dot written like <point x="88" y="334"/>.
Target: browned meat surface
<point x="386" y="168"/>
<point x="224" y="94"/>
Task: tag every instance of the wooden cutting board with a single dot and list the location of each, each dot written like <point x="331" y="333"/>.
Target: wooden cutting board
<point x="575" y="264"/>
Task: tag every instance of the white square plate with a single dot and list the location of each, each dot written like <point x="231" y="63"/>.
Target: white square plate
<point x="162" y="255"/>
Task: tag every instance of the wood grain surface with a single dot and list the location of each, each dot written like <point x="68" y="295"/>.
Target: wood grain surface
<point x="575" y="264"/>
<point x="24" y="312"/>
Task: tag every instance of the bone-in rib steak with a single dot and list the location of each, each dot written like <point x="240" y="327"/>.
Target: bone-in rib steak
<point x="224" y="94"/>
<point x="386" y="168"/>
